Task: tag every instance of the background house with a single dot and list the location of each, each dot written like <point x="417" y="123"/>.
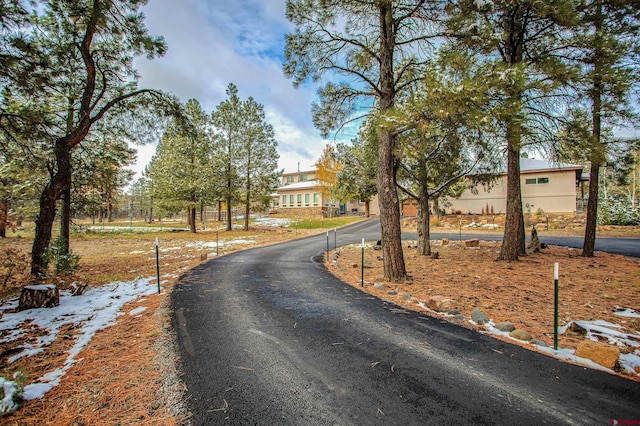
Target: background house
<point x="546" y="186"/>
<point x="301" y="195"/>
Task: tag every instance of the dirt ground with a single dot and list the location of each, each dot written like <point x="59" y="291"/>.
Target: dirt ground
<point x="128" y="372"/>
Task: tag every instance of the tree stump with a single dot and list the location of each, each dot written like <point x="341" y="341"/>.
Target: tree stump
<point x="39" y="296"/>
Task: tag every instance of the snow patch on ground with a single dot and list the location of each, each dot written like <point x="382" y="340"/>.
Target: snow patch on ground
<point x="274" y="221"/>
<point x="598" y="330"/>
<point x="95" y="310"/>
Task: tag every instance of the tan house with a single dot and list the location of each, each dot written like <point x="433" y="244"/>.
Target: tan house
<point x="546" y="186"/>
<point x="301" y="195"/>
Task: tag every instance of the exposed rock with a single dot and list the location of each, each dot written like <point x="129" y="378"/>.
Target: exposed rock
<point x="438" y="303"/>
<point x="453" y="312"/>
<point x="460" y="317"/>
<point x="598" y="352"/>
<point x="505" y="326"/>
<point x="472" y="243"/>
<point x="521" y="335"/>
<point x="539" y="343"/>
<point x="379" y="286"/>
<point x="392" y="292"/>
<point x="534" y="246"/>
<point x="405" y="296"/>
<point x="479" y="317"/>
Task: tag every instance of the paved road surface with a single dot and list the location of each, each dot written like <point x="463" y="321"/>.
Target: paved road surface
<point x="267" y="336"/>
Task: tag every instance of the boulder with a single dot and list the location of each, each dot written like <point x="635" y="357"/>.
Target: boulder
<point x="472" y="243"/>
<point x="479" y="317"/>
<point x="505" y="326"/>
<point x="521" y="335"/>
<point x="438" y="303"/>
<point x="598" y="352"/>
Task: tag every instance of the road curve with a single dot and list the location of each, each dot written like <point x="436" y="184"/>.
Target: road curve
<point x="267" y="336"/>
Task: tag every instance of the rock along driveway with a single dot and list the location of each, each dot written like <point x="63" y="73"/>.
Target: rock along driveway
<point x="267" y="336"/>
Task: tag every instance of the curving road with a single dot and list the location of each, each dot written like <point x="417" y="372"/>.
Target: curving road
<point x="267" y="336"/>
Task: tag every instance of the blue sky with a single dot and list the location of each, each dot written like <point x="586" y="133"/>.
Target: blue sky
<point x="214" y="43"/>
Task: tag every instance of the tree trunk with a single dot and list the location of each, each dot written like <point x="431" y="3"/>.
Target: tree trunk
<point x="39" y="296"/>
<point x="391" y="237"/>
<point x="247" y="204"/>
<point x="47" y="213"/>
<point x="229" y="227"/>
<point x="109" y="207"/>
<point x="393" y="258"/>
<point x="588" y="246"/>
<point x="4" y="217"/>
<point x="219" y="211"/>
<point x="424" y="237"/>
<point x="366" y="208"/>
<point x="65" y="217"/>
<point x="192" y="220"/>
<point x="513" y="243"/>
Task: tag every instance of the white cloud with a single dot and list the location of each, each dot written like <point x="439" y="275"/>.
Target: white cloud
<point x="212" y="44"/>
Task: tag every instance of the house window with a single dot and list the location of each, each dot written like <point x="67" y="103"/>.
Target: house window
<point x="289" y="179"/>
<point x="284" y="201"/>
<point x="306" y="200"/>
<point x="530" y="181"/>
<point x="315" y="199"/>
<point x="291" y="200"/>
<point x="543" y="180"/>
<point x="299" y="200"/>
<point x="303" y="178"/>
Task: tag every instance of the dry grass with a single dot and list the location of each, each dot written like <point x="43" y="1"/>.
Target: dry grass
<point x="128" y="373"/>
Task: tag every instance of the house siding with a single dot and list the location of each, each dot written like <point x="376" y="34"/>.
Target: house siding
<point x="558" y="195"/>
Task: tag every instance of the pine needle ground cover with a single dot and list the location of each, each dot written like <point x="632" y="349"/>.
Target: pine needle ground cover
<point x="592" y="292"/>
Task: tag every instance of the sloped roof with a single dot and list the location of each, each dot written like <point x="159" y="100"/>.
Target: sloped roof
<point x="531" y="164"/>
<point x="309" y="184"/>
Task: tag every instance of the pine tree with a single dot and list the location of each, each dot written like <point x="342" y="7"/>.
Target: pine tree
<point x="258" y="158"/>
<point x="180" y="168"/>
<point x="375" y="45"/>
<point x="520" y="44"/>
<point x="607" y="50"/>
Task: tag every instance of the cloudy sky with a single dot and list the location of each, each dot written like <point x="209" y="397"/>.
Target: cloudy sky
<point x="216" y="42"/>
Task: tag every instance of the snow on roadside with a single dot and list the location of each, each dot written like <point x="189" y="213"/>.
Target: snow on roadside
<point x="93" y="311"/>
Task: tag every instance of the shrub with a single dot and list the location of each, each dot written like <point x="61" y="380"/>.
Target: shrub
<point x="63" y="263"/>
<point x="617" y="210"/>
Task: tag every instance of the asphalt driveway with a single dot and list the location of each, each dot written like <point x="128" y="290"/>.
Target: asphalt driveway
<point x="268" y="336"/>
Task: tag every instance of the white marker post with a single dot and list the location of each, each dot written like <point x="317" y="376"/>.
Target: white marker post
<point x="555" y="306"/>
<point x="327" y="245"/>
<point x="158" y="264"/>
